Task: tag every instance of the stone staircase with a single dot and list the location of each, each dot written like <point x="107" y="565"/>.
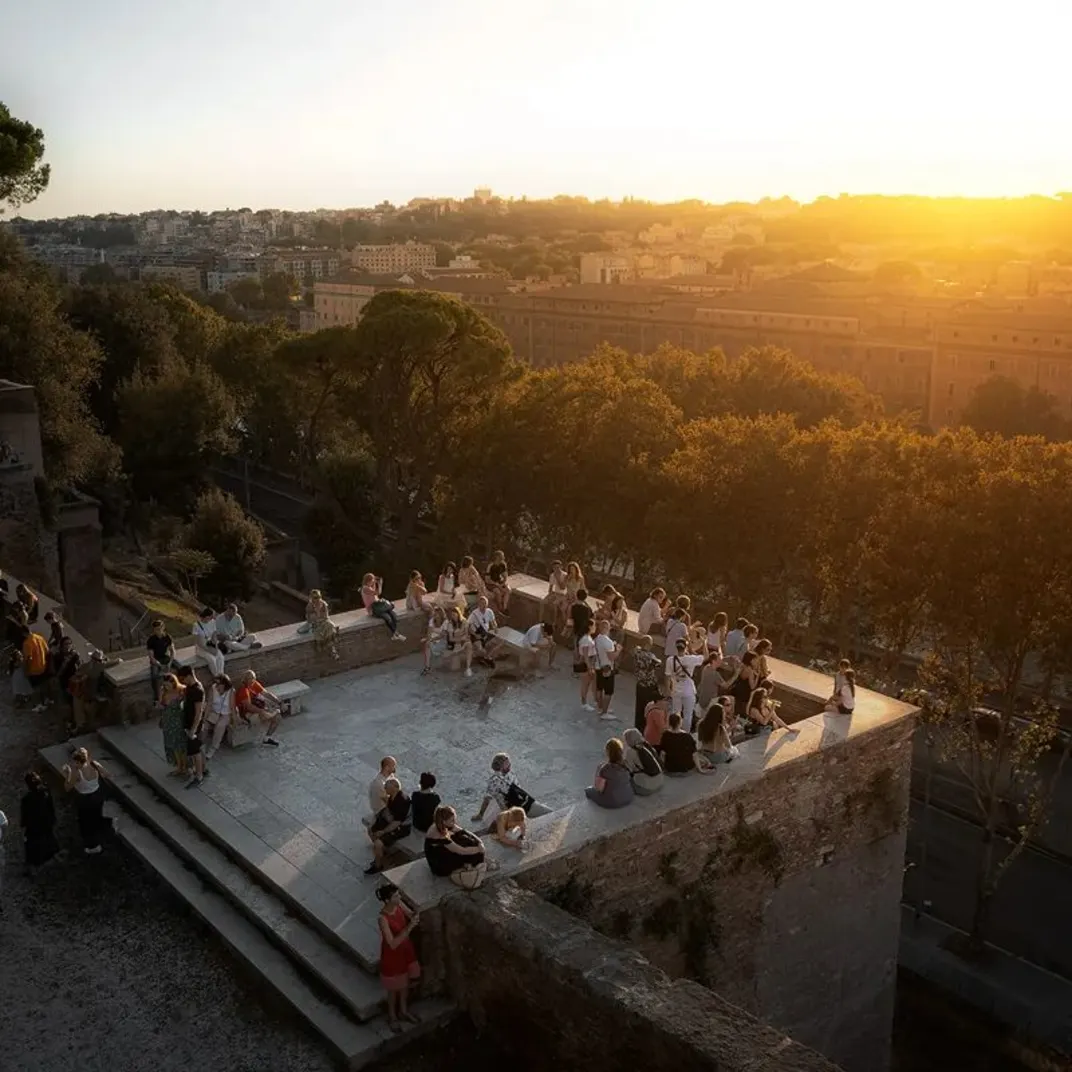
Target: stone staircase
<point x="320" y="960"/>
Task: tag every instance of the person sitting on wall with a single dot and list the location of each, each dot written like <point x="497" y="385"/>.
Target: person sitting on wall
<point x="470" y="583"/>
<point x="317" y="621"/>
<point x="509" y="828"/>
<point x="390" y="826"/>
<point x="454" y="852"/>
<point x="495" y="582"/>
<point x="713" y="734"/>
<point x="231" y="632"/>
<point x="679" y="752"/>
<point x="416" y="592"/>
<point x="844" y="699"/>
<point x="540" y="638"/>
<point x="613" y="787"/>
<point x="205" y="642"/>
<point x="762" y="713"/>
<point x="642" y="763"/>
<point x="651" y="612"/>
<point x="256" y="704"/>
<point x="377" y="606"/>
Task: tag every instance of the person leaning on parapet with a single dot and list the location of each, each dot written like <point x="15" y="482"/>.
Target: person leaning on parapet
<point x="231" y="632"/>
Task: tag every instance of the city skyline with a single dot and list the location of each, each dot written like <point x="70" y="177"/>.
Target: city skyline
<point x="268" y="105"/>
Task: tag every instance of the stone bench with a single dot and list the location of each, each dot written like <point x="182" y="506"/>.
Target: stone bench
<point x="291" y="695"/>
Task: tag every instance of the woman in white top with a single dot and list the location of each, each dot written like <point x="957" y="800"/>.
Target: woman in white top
<point x="205" y="641"/>
<point x="220" y="711"/>
<point x="82" y="776"/>
<point x="557" y="600"/>
<point x="435" y="643"/>
<point x="416" y="592"/>
<point x="447" y="584"/>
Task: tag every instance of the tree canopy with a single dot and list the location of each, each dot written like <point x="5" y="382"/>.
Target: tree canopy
<point x="23" y="175"/>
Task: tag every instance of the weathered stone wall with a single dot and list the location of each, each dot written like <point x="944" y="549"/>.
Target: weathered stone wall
<point x="549" y="984"/>
<point x="27" y="547"/>
<point x="782" y="895"/>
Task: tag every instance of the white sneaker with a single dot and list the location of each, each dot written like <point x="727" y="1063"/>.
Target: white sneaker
<point x="608" y="717"/>
<point x="468" y="671"/>
<point x="587" y="707"/>
<point x="398" y="636"/>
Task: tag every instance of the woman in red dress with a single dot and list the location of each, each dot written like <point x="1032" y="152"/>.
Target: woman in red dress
<point x="398" y="958"/>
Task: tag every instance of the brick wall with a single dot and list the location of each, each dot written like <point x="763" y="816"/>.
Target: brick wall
<point x="782" y="895"/>
<point x="549" y="985"/>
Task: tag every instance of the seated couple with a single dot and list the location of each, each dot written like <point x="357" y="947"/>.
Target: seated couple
<point x="216" y="636"/>
<point x="453" y="852"/>
<point x="631" y="768"/>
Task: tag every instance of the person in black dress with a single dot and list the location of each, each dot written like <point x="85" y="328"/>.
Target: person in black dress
<point x="37" y="817"/>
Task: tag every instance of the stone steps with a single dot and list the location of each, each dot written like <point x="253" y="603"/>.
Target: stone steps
<point x="354" y="1044"/>
<point x="346" y="915"/>
<point x="331" y="993"/>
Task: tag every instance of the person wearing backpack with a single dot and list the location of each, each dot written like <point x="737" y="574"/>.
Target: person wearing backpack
<point x="642" y="763"/>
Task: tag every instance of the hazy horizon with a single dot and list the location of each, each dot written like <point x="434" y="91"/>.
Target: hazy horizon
<point x="204" y="106"/>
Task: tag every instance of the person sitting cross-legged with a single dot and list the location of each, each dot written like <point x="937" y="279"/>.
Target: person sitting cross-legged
<point x="679" y="752"/>
<point x="613" y="787"/>
<point x="255" y="703"/>
<point x="231" y="632"/>
<point x="390" y="826"/>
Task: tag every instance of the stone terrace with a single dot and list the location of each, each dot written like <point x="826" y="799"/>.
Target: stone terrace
<point x="271" y="850"/>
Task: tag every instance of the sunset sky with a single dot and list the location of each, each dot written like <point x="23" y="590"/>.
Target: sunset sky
<point x="198" y="104"/>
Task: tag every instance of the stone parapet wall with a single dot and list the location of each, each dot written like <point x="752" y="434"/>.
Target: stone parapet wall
<point x="781" y="894"/>
<point x="549" y="985"/>
<point x="286" y="655"/>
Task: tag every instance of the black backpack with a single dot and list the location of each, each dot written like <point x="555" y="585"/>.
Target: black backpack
<point x="649" y="761"/>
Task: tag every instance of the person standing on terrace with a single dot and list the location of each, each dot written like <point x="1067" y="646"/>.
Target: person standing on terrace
<point x="161" y="649"/>
<point x="580" y="621"/>
<point x="399" y="966"/>
<point x="736" y="642"/>
<point x="606" y="658"/>
<point x="717" y="631"/>
<point x="651" y="612"/>
<point x="648" y="670"/>
<point x="763" y="648"/>
<point x="680" y="667"/>
<point x="377" y="606"/>
<point x="585" y="663"/>
<point x="498" y="589"/>
<point x="456" y="634"/>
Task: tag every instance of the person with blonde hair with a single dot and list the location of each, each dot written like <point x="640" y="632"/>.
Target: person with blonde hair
<point x="470" y="581"/>
<point x="434" y="643"/>
<point x="82" y="776"/>
<point x="613" y="787"/>
<point x="416" y="592"/>
<point x="509" y="829"/>
<point x="172" y="726"/>
<point x="325" y="631"/>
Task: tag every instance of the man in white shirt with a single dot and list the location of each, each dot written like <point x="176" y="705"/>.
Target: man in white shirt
<point x="651" y="611"/>
<point x="377" y="794"/>
<point x="482" y="626"/>
<point x="679" y="670"/>
<point x="205" y="641"/>
<point x="231" y="632"/>
<point x="606" y="655"/>
<point x="586" y="655"/>
<point x="540" y="638"/>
